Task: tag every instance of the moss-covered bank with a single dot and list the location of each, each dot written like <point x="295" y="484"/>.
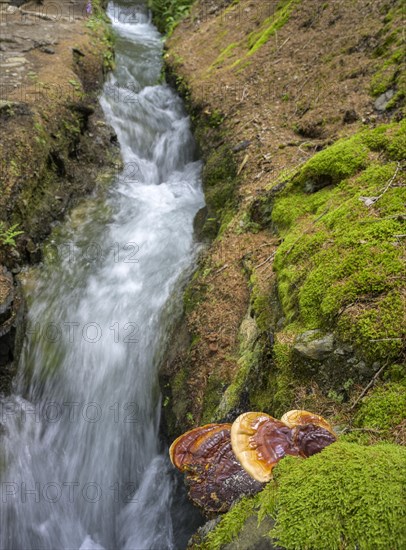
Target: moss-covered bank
<point x="54" y="145"/>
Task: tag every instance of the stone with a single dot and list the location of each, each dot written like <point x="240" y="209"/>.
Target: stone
<point x="315" y="345"/>
<point x="241" y="146"/>
<point x="48" y="50"/>
<point x="253" y="536"/>
<point x="382" y="102"/>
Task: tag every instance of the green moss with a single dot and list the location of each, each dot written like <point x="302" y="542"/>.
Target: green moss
<point x="271" y="25"/>
<point x="281" y="379"/>
<point x="348" y="496"/>
<point x="384" y="408"/>
<point x="168" y="13"/>
<point x="195" y="291"/>
<point x="180" y="400"/>
<point x="213" y="394"/>
<point x="390" y="71"/>
<point x="230" y="525"/>
<point x="338" y="252"/>
<point x="345" y="497"/>
<point x="219" y="179"/>
<point x="339" y="161"/>
<point x="224" y="54"/>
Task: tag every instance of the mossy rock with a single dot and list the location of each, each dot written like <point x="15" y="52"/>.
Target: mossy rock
<point x="340" y="265"/>
<point x="347" y="496"/>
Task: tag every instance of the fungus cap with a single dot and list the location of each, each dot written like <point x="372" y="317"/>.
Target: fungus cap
<point x="300" y="417"/>
<point x="214" y="476"/>
<point x="259" y="441"/>
<point x="196" y="445"/>
<point x="311" y="439"/>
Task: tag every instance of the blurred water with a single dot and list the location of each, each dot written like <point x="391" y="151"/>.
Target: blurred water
<point x="81" y="462"/>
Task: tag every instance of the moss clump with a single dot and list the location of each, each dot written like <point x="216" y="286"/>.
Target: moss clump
<point x="384" y="408"/>
<point x="348" y="496"/>
<point x="281" y="387"/>
<point x="271" y="25"/>
<point x="339" y="161"/>
<point x="340" y="266"/>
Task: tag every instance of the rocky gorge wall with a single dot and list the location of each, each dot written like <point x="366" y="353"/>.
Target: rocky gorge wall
<point x="55" y="146"/>
<point x="298" y="300"/>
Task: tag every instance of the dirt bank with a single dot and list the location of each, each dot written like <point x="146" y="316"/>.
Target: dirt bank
<point x="54" y="142"/>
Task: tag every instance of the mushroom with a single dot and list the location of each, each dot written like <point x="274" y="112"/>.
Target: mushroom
<point x="259" y="442"/>
<point x="311" y="439"/>
<point x="299" y="418"/>
<point x="214" y="476"/>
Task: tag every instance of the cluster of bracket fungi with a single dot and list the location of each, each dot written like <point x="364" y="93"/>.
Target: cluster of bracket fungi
<point x="225" y="461"/>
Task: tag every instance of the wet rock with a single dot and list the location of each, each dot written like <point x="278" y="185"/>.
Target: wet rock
<point x="48" y="50"/>
<point x="253" y="536"/>
<point x="382" y="102"/>
<point x="314" y="345"/>
<point x="11" y="327"/>
<point x="203" y="531"/>
<point x="6" y="290"/>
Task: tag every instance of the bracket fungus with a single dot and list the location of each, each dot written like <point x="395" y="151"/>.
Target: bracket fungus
<point x="300" y="417"/>
<point x="311" y="439"/>
<point x="214" y="476"/>
<point x="259" y="442"/>
<point x="223" y="462"/>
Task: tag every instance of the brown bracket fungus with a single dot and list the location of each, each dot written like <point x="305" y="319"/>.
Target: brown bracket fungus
<point x="300" y="418"/>
<point x="214" y="476"/>
<point x="311" y="439"/>
<point x="259" y="442"/>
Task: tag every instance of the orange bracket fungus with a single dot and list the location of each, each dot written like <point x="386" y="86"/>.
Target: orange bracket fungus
<point x="214" y="476"/>
<point x="225" y="461"/>
<point x="299" y="418"/>
<point x="259" y="442"/>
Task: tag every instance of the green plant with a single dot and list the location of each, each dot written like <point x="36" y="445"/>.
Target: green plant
<point x="167" y="13"/>
<point x="7" y="236"/>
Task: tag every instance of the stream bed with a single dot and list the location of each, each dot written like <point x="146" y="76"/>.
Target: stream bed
<point x="81" y="461"/>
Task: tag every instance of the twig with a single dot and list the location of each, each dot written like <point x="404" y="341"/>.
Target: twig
<point x="225" y="266"/>
<point x="370" y="384"/>
<point x="376" y="199"/>
<point x="266" y="260"/>
<point x="244" y="162"/>
<point x="373" y="430"/>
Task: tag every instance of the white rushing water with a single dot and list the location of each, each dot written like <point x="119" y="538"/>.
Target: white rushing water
<point x="81" y="462"/>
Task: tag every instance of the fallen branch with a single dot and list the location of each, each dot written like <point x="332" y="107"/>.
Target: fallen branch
<point x="268" y="259"/>
<point x="373" y="430"/>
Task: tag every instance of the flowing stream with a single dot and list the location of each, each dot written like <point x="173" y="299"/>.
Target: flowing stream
<point x="82" y="465"/>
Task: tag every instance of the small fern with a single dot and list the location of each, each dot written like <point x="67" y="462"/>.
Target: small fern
<point x="7" y="236"/>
